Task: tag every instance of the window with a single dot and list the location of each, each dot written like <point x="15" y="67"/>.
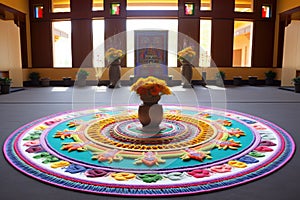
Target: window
<point x="152" y="5"/>
<point x="98" y="43"/>
<point x="205" y="43"/>
<point x="62" y="53"/>
<point x="98" y="5"/>
<point x="205" y="4"/>
<point x="156" y="24"/>
<point x="61" y="6"/>
<point x="243" y="6"/>
<point x="242" y="43"/>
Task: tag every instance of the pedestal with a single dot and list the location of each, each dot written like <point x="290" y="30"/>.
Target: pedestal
<point x="114" y="74"/>
<point x="187" y="74"/>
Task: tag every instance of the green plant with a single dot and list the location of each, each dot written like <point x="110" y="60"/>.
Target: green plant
<point x="5" y="81"/>
<point x="220" y="75"/>
<point x="270" y="74"/>
<point x="82" y="74"/>
<point x="296" y="80"/>
<point x="34" y="76"/>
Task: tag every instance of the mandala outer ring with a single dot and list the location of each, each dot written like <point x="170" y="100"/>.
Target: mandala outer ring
<point x="285" y="153"/>
<point x="217" y="136"/>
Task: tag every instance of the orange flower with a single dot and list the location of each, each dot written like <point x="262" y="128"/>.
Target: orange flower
<point x="155" y="90"/>
<point x="151" y="85"/>
<point x="142" y="90"/>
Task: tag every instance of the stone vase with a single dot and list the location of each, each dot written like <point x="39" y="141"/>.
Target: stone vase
<point x="252" y="80"/>
<point x="269" y="81"/>
<point x="237" y="80"/>
<point x="5" y="89"/>
<point x="45" y="82"/>
<point x="81" y="82"/>
<point x="187" y="73"/>
<point x="115" y="73"/>
<point x="150" y="113"/>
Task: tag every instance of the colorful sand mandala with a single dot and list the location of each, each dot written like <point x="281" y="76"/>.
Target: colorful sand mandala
<point x="105" y="151"/>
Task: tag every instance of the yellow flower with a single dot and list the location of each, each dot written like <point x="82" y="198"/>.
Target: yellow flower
<point x="151" y="86"/>
<point x="113" y="54"/>
<point x="186" y="54"/>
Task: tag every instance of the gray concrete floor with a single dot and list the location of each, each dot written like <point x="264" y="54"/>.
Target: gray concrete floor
<point x="278" y="106"/>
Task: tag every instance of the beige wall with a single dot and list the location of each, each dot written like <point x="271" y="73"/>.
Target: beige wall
<point x="22" y="6"/>
<point x="58" y="74"/>
<point x="289" y="55"/>
<point x="282" y="5"/>
<point x="11" y="37"/>
<point x="291" y="52"/>
<point x="10" y="51"/>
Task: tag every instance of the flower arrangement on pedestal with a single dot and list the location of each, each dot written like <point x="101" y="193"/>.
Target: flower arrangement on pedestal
<point x="186" y="55"/>
<point x="150" y="113"/>
<point x="151" y="86"/>
<point x="113" y="57"/>
<point x="113" y="54"/>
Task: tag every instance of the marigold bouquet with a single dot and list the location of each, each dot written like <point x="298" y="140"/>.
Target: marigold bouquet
<point x="187" y="54"/>
<point x="113" y="54"/>
<point x="151" y="86"/>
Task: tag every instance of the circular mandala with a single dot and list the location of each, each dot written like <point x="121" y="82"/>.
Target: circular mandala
<point x="106" y="151"/>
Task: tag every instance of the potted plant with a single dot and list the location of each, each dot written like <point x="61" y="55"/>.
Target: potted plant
<point x="5" y="85"/>
<point x="296" y="82"/>
<point x="220" y="77"/>
<point x="81" y="77"/>
<point x="270" y="76"/>
<point x="35" y="78"/>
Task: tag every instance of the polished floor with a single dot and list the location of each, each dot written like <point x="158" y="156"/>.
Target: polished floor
<point x="278" y="106"/>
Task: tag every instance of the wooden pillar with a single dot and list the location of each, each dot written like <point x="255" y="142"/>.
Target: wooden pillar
<point x="41" y="36"/>
<point x="82" y="43"/>
<point x="23" y="36"/>
<point x="263" y="43"/>
<point x="41" y="44"/>
<point x="189" y="29"/>
<point x="222" y="42"/>
<point x="115" y="35"/>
